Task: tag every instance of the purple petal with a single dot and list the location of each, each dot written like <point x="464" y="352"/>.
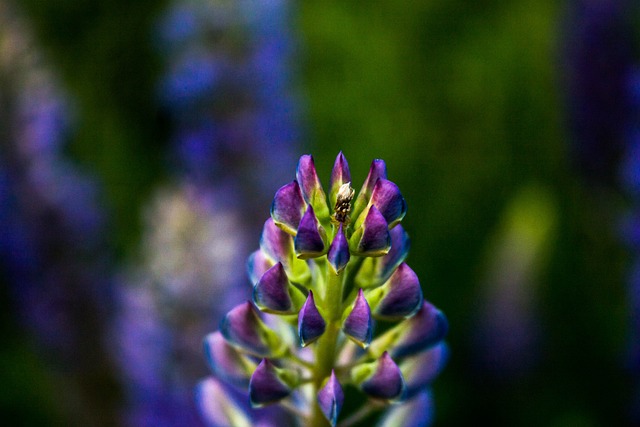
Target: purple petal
<point x="417" y="412"/>
<point x="311" y="325"/>
<point x="400" y="244"/>
<point x="338" y="254"/>
<point x="257" y="264"/>
<point x="217" y="406"/>
<point x="330" y="399"/>
<point x="266" y="385"/>
<point x="420" y="370"/>
<point x="271" y="293"/>
<point x="377" y="170"/>
<point x="310" y="185"/>
<point x="386" y="382"/>
<point x="287" y="207"/>
<point x="225" y="361"/>
<point x="276" y="243"/>
<point x="278" y="246"/>
<point x="427" y="328"/>
<point x="310" y="240"/>
<point x="401" y="295"/>
<point x="339" y="175"/>
<point x="387" y="198"/>
<point x="243" y="328"/>
<point x="372" y="238"/>
<point x="357" y="325"/>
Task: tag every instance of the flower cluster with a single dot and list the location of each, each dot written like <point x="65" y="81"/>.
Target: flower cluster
<point x="325" y="272"/>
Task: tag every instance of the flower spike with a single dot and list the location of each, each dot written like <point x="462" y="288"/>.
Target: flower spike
<point x="311" y="188"/>
<point x="274" y="293"/>
<point x="338" y="255"/>
<point x="381" y="379"/>
<point x="310" y="242"/>
<point x="311" y="325"/>
<point x="270" y="384"/>
<point x="243" y="328"/>
<point x="331" y="398"/>
<point x="338" y="265"/>
<point x="400" y="297"/>
<point x="357" y="325"/>
<point x="372" y="238"/>
<point x="287" y="207"/>
<point x="339" y="175"/>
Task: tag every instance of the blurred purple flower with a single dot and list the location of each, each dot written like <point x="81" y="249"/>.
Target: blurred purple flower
<point x="233" y="123"/>
<point x="53" y="246"/>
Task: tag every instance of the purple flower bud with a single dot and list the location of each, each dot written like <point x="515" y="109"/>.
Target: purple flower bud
<point x="380" y="379"/>
<point x="376" y="271"/>
<point x="243" y="328"/>
<point x="311" y="325"/>
<point x="310" y="242"/>
<point x="274" y="293"/>
<point x="258" y="264"/>
<point x="420" y="370"/>
<point x="311" y="187"/>
<point x="288" y="207"/>
<point x="226" y="362"/>
<point x="372" y="237"/>
<point x="400" y="244"/>
<point x="427" y="328"/>
<point x="331" y="398"/>
<point x="339" y="175"/>
<point x="338" y="255"/>
<point x="377" y="170"/>
<point x="417" y="412"/>
<point x="399" y="297"/>
<point x="217" y="406"/>
<point x="278" y="246"/>
<point x="270" y="384"/>
<point x="387" y="198"/>
<point x="357" y="325"/>
<point x="276" y="243"/>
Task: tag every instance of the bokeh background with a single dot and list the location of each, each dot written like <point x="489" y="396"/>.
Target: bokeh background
<point x="509" y="126"/>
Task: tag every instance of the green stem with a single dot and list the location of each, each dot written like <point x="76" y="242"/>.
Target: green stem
<point x="326" y="346"/>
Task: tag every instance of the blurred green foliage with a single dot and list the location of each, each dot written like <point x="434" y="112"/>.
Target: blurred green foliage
<point x="463" y="101"/>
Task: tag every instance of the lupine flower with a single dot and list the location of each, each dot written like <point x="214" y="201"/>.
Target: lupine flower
<point x="54" y="252"/>
<point x="192" y="239"/>
<point x="232" y="122"/>
<point x="346" y="253"/>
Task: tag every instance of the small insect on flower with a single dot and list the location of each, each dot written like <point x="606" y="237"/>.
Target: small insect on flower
<point x="343" y="204"/>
